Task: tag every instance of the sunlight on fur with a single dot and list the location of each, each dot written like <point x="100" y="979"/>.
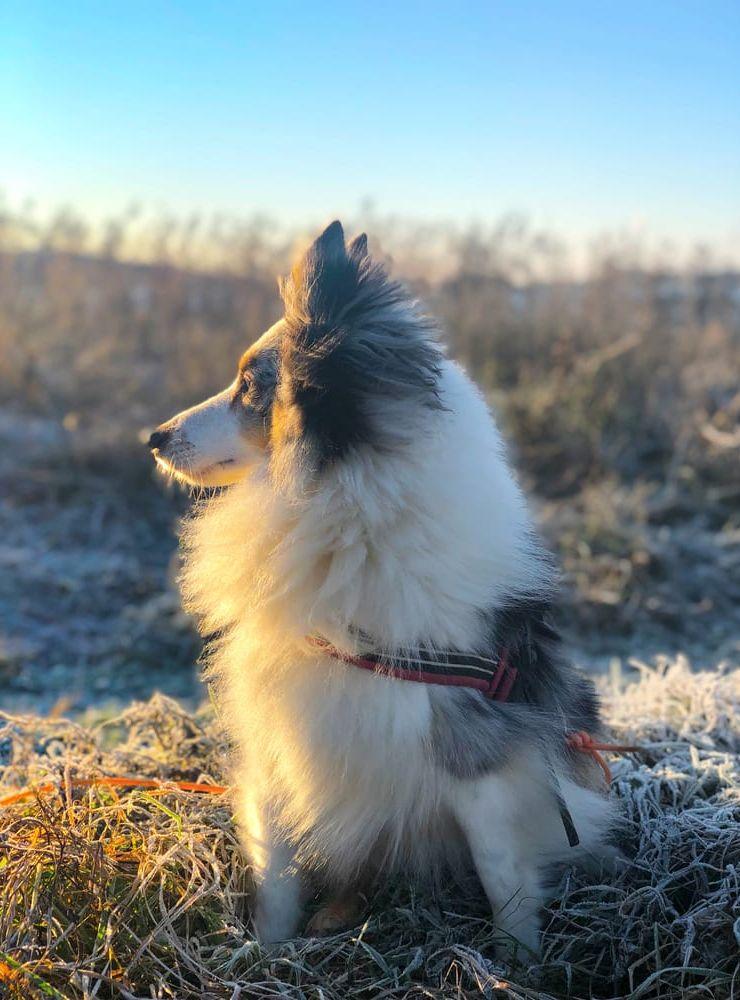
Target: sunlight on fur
<point x="380" y="504"/>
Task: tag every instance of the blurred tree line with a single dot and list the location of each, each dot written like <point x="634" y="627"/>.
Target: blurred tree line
<point x="629" y="369"/>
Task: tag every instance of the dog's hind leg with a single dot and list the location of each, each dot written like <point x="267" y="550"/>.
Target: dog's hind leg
<point x="279" y="887"/>
<point x="487" y="811"/>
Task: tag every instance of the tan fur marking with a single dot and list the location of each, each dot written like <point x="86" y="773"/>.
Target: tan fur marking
<point x="338" y="914"/>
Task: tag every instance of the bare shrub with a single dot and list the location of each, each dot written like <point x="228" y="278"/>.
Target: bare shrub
<point x="620" y="373"/>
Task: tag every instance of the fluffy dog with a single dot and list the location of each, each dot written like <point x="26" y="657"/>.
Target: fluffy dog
<point x="377" y="602"/>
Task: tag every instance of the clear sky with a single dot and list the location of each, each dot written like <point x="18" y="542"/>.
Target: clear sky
<point x="587" y="116"/>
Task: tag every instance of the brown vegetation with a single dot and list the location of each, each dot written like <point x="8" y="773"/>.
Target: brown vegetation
<point x="619" y="393"/>
<point x="106" y="893"/>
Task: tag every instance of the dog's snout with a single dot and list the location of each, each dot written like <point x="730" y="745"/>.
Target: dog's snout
<point x="159" y="439"/>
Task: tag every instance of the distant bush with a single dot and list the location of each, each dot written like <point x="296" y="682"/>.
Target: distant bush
<point x="630" y="372"/>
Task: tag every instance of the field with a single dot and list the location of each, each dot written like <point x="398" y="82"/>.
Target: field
<point x="141" y="894"/>
<point x="618" y="392"/>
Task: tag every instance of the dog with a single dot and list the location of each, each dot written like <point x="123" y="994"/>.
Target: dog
<point x="378" y="607"/>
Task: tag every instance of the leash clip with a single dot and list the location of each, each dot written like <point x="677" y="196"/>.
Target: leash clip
<point x="503" y="679"/>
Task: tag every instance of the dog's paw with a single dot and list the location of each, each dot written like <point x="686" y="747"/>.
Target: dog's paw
<point x="273" y="926"/>
<point x="337" y="915"/>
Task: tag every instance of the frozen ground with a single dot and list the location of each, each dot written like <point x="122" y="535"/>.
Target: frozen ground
<point x="86" y="544"/>
<point x="133" y="894"/>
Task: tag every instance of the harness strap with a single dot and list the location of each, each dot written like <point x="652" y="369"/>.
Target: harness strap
<point x="493" y="677"/>
<point x="567" y="820"/>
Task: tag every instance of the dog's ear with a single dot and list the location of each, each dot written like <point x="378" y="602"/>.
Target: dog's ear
<point x="353" y="341"/>
<point x="321" y="282"/>
<point x="357" y="250"/>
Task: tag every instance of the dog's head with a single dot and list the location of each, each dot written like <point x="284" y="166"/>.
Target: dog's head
<point x="352" y="364"/>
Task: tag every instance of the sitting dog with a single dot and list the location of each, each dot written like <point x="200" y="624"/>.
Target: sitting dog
<point x="377" y="602"/>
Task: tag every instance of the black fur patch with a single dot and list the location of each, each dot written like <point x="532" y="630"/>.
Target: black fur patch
<point x="546" y="678"/>
<point x="353" y="341"/>
<point x="472" y="734"/>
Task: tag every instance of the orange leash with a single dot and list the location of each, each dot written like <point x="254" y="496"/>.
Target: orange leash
<point x="115" y="782"/>
<point x="580" y="741"/>
<point x="584" y="742"/>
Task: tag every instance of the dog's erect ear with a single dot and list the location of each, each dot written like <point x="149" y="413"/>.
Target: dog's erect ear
<point x="354" y="341"/>
<point x="331" y="241"/>
<point x="321" y="282"/>
<point x="357" y="250"/>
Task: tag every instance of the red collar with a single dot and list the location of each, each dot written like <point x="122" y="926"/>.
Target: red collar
<point x="494" y="677"/>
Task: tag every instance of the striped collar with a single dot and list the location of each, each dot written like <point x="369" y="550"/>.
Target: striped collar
<point x="493" y="676"/>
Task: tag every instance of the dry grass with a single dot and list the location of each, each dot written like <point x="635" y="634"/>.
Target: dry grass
<point x="617" y="393"/>
<point x="141" y="894"/>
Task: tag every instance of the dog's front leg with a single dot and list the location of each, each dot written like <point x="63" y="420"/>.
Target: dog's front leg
<point x="503" y="857"/>
<point x="280" y="896"/>
<point x="278" y="882"/>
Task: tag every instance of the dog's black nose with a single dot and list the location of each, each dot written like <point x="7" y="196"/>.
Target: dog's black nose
<point x="159" y="439"/>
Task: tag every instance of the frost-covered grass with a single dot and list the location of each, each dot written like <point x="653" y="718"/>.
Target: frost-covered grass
<point x="110" y="893"/>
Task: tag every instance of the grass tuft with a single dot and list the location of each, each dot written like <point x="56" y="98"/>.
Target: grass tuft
<point x="141" y="893"/>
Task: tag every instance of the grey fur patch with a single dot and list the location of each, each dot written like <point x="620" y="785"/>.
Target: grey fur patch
<point x="547" y="680"/>
<point x="471" y="735"/>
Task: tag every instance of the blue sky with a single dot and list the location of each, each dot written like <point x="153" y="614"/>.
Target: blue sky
<point x="586" y="116"/>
